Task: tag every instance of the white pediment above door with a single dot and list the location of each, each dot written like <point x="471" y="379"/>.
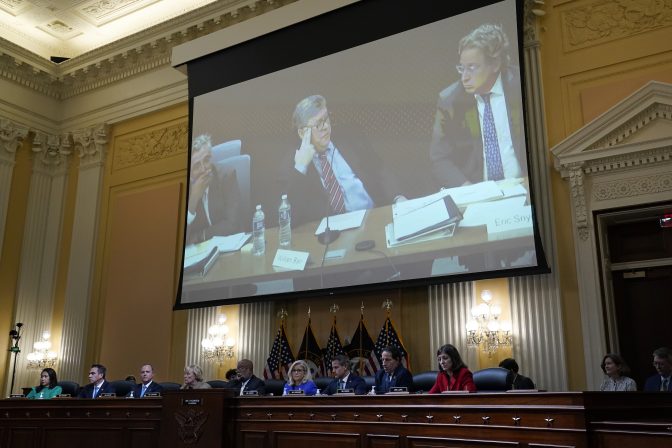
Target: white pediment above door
<point x="636" y="131"/>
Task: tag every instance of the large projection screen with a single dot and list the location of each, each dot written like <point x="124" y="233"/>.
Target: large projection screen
<point x="372" y="120"/>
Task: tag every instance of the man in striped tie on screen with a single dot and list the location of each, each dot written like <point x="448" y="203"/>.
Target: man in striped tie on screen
<point x="329" y="178"/>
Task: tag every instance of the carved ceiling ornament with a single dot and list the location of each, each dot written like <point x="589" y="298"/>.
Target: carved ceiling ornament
<point x="607" y="20"/>
<point x="11" y="135"/>
<point x="150" y="146"/>
<point x="128" y="57"/>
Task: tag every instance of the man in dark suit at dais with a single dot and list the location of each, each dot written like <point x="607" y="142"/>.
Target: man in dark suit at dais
<point x="344" y="379"/>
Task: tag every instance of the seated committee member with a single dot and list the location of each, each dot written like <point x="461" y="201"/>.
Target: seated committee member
<point x="616" y="371"/>
<point x="661" y="381"/>
<point x="300" y="379"/>
<point x="147" y="384"/>
<point x="478" y="129"/>
<point x="519" y="381"/>
<point x="47" y="388"/>
<point x="454" y="374"/>
<point x="324" y="176"/>
<point x="193" y="378"/>
<point x="246" y="380"/>
<point x="214" y="198"/>
<point x="98" y="384"/>
<point x="344" y="378"/>
<point x="393" y="374"/>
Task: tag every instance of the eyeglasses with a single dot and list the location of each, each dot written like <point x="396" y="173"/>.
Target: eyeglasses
<point x="321" y="124"/>
<point x="469" y="68"/>
<point x="298" y="370"/>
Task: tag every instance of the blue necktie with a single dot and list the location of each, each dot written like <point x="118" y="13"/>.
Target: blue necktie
<point x="493" y="159"/>
<point x="95" y="391"/>
<point x="142" y="392"/>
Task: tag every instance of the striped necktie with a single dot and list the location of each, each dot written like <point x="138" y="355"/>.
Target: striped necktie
<point x="665" y="384"/>
<point x="331" y="186"/>
<point x="493" y="159"/>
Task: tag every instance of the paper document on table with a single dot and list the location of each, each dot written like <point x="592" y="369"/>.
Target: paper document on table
<point x="480" y="192"/>
<point x="411" y="205"/>
<point x="231" y="243"/>
<point x="345" y="221"/>
<point x="516" y="190"/>
<point x="479" y="214"/>
<point x="430" y="236"/>
<point x="195" y="253"/>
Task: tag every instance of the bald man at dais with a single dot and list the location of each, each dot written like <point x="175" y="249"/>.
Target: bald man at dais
<point x="147" y="384"/>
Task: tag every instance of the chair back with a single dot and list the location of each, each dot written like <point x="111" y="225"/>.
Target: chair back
<point x="322" y="382"/>
<point x="424" y="381"/>
<point x="122" y="387"/>
<point x="226" y="150"/>
<point x="274" y="386"/>
<point x="493" y="379"/>
<point x="241" y="165"/>
<point x="69" y="387"/>
<point x="218" y="384"/>
<point x="170" y="386"/>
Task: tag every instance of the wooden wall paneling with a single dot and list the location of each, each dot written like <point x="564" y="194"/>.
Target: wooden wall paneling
<point x="23" y="437"/>
<point x="436" y="442"/>
<point x="382" y="441"/>
<point x="291" y="439"/>
<point x="253" y="439"/>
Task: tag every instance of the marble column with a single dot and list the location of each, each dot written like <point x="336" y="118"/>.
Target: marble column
<point x="91" y="147"/>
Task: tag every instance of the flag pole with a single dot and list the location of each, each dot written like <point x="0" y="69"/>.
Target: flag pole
<point x="361" y="342"/>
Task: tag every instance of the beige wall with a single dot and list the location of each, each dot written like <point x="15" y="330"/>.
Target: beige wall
<point x="594" y="54"/>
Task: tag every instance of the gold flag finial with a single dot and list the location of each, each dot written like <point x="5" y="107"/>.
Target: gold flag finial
<point x="282" y="314"/>
<point x="334" y="308"/>
<point x="361" y="308"/>
<point x="387" y="304"/>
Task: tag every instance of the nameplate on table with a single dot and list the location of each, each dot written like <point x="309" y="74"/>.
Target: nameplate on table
<point x="345" y="391"/>
<point x="290" y="259"/>
<point x="63" y="396"/>
<point x="250" y="393"/>
<point x="398" y="390"/>
<point x="191" y="402"/>
<point x="452" y="392"/>
<point x="17" y="396"/>
<point x="516" y="221"/>
<point x="107" y="395"/>
<point x="152" y="395"/>
<point x="296" y="392"/>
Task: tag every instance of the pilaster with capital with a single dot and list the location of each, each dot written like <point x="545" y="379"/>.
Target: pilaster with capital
<point x="40" y="248"/>
<point x="90" y="145"/>
<point x="11" y="137"/>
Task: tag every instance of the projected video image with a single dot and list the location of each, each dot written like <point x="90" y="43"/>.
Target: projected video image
<point x="397" y="160"/>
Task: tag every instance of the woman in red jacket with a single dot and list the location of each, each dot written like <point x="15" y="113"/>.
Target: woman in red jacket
<point x="454" y="375"/>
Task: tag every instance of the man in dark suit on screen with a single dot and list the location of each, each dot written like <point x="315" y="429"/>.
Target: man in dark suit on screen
<point x="344" y="378"/>
<point x="478" y="128"/>
<point x="214" y="198"/>
<point x="98" y="384"/>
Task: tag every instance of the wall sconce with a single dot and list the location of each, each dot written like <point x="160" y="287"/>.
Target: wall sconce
<point x="217" y="347"/>
<point x="42" y="357"/>
<point x="485" y="329"/>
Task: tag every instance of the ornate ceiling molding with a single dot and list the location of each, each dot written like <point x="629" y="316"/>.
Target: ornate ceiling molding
<point x="137" y="54"/>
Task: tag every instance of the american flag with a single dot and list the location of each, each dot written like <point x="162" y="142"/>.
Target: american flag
<point x="361" y="351"/>
<point x="280" y="357"/>
<point x="388" y="337"/>
<point x="334" y="347"/>
<point x="311" y="352"/>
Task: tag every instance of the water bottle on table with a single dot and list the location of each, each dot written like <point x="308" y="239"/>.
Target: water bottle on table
<point x="285" y="222"/>
<point x="258" y="232"/>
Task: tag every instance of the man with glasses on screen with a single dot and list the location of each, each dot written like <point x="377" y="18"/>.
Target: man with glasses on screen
<point x="327" y="178"/>
<point x="214" y="197"/>
<point x="478" y="129"/>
